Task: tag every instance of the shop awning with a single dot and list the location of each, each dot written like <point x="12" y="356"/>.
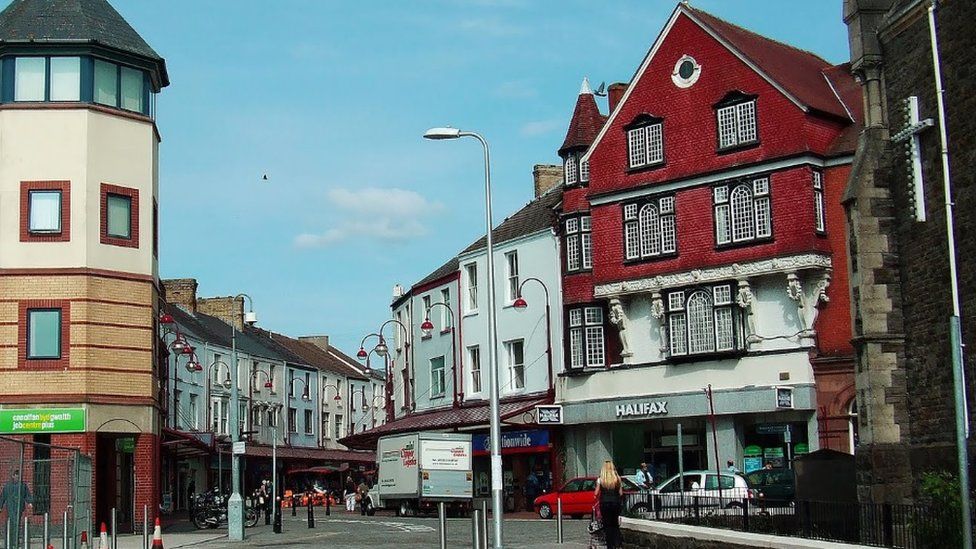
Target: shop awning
<point x="469" y="415"/>
<point x="310" y="454"/>
<point x="187" y="444"/>
<point x="323" y="470"/>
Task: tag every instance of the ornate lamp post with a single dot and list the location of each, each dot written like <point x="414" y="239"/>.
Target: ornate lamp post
<point x="521" y="304"/>
<point x="427" y="327"/>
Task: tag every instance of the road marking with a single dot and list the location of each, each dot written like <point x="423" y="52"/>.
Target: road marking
<point x="401" y="526"/>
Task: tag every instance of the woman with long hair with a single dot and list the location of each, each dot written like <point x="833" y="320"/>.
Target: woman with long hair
<point x="609" y="491"/>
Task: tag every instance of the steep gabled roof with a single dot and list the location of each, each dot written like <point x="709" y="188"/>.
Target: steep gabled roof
<point x="71" y="21"/>
<point x="586" y="121"/>
<point x="451" y="266"/>
<point x="797" y="74"/>
<point x="535" y="216"/>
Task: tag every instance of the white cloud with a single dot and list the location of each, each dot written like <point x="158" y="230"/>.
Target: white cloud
<point x="373" y="213"/>
<point x="541" y="127"/>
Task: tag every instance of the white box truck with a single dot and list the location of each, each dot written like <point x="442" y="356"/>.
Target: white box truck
<point x="419" y="470"/>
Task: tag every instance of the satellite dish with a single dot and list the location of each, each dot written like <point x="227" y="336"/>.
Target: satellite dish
<point x="601" y="91"/>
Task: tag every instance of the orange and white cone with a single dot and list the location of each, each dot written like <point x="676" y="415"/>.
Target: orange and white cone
<point x="84" y="539"/>
<point x="157" y="536"/>
<point x="103" y="538"/>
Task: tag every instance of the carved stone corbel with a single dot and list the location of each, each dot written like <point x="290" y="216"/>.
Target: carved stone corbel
<point x="657" y="311"/>
<point x="822" y="286"/>
<point x="744" y="299"/>
<point x="794" y="289"/>
<point x="618" y="318"/>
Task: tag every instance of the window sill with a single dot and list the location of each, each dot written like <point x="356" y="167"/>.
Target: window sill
<point x="470" y="313"/>
<point x="436" y="397"/>
<point x="744" y="243"/>
<point x="650" y="259"/>
<point x="579" y="271"/>
<point x="737" y="147"/>
<point x="425" y="337"/>
<point x="645" y="168"/>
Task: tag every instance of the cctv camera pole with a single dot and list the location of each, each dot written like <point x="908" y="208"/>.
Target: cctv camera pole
<point x="235" y="506"/>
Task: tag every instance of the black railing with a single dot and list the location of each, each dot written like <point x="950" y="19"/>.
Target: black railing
<point x="881" y="525"/>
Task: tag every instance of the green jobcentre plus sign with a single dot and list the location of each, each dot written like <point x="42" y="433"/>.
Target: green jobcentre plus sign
<point x="42" y="420"/>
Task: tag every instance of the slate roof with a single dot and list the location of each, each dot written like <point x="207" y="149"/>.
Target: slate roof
<point x="213" y="330"/>
<point x="316" y="357"/>
<point x="849" y="93"/>
<point x="72" y="21"/>
<point x="799" y="72"/>
<point x="450" y="267"/>
<point x="585" y="124"/>
<point x="535" y="216"/>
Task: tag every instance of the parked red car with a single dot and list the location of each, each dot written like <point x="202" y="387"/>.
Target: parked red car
<point x="577" y="496"/>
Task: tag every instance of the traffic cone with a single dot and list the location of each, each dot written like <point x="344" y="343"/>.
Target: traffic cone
<point x="84" y="539"/>
<point x="103" y="538"/>
<point x="157" y="536"/>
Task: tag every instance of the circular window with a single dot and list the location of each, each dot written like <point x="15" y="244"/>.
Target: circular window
<point x="686" y="72"/>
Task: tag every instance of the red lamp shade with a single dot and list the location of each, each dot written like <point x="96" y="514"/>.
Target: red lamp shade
<point x="268" y="385"/>
<point x="427" y="327"/>
<point x="361" y="355"/>
<point x="199" y="367"/>
<point x="338" y="398"/>
<point x="520" y="303"/>
<point x="166" y="318"/>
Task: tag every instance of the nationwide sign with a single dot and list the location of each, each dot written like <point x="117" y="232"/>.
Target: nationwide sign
<point x="658" y="408"/>
<point x="514" y="442"/>
<point x="42" y="420"/>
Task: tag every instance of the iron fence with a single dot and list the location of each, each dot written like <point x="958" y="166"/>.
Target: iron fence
<point x="880" y="525"/>
<point x="45" y="494"/>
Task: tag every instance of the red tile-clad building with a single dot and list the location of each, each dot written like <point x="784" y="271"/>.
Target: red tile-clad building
<point x="704" y="245"/>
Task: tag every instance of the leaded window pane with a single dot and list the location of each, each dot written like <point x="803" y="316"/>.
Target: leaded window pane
<point x="570" y="169"/>
<point x="743" y="223"/>
<point x="572" y="225"/>
<point x="576" y="317"/>
<point x="763" y="221"/>
<point x="722" y="294"/>
<point x="655" y="143"/>
<point x="594" y="346"/>
<point x="650" y="233"/>
<point x="576" y="347"/>
<point x="760" y="186"/>
<point x="635" y="140"/>
<point x="45" y="211"/>
<point x="587" y="250"/>
<point x="726" y="127"/>
<point x="745" y="114"/>
<point x="678" y="333"/>
<point x="585" y="223"/>
<point x="585" y="171"/>
<point x="701" y="336"/>
<point x="676" y="301"/>
<point x="572" y="253"/>
<point x="632" y="240"/>
<point x="723" y="232"/>
<point x="723" y="329"/>
<point x="594" y="315"/>
<point x="668" y="238"/>
<point x="720" y="194"/>
<point x="666" y="204"/>
<point x="630" y="211"/>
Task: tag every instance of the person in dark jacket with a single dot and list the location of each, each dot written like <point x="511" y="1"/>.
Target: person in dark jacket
<point x="609" y="492"/>
<point x="15" y="498"/>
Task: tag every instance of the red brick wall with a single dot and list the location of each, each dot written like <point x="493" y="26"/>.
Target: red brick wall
<point x="834" y="321"/>
<point x="147" y="465"/>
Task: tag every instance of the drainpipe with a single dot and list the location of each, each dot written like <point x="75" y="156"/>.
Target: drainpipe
<point x="955" y="328"/>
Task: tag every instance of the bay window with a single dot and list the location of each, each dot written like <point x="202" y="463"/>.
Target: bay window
<point x="650" y="229"/>
<point x="578" y="242"/>
<point x="703" y="321"/>
<point x="742" y="211"/>
<point x="818" y="201"/>
<point x="586" y="338"/>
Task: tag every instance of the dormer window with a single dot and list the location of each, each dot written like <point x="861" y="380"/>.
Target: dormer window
<point x="570" y="169"/>
<point x="735" y="119"/>
<point x="645" y="141"/>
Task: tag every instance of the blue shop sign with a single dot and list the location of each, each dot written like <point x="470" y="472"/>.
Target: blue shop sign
<point x="514" y="442"/>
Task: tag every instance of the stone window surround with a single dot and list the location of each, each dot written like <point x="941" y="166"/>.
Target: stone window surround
<point x="61" y="363"/>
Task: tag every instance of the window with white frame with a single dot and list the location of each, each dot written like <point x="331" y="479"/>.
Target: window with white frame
<point x="272" y="417"/>
<point x="584" y="171"/>
<point x="397" y="332"/>
<point x="437" y="380"/>
<point x="242" y="417"/>
<point x="571" y="169"/>
<point x="426" y="302"/>
<point x="446" y="311"/>
<point x="649" y="229"/>
<point x="742" y="211"/>
<point x="702" y="321"/>
<point x="515" y="358"/>
<point x="338" y="427"/>
<point x="217" y="372"/>
<point x="326" y="430"/>
<point x="193" y="413"/>
<point x="818" y="201"/>
<point x="471" y="282"/>
<point x="44" y="211"/>
<point x="292" y="420"/>
<point x="474" y="366"/>
<point x="645" y="142"/>
<point x="257" y="416"/>
<point x="736" y="122"/>
<point x="586" y="342"/>
<point x="579" y="243"/>
<point x="309" y="427"/>
<point x="512" y="274"/>
<point x="219" y="416"/>
<point x="271" y="377"/>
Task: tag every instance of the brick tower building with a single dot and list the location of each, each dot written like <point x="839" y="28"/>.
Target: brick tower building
<point x="79" y="287"/>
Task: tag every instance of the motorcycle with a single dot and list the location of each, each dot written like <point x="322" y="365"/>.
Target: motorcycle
<point x="210" y="511"/>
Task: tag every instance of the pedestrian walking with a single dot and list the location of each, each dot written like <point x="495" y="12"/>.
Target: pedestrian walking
<point x="732" y="468"/>
<point x="533" y="488"/>
<point x="15" y="498"/>
<point x="265" y="497"/>
<point x="361" y="492"/>
<point x="350" y="494"/>
<point x="609" y="492"/>
<point x="644" y="478"/>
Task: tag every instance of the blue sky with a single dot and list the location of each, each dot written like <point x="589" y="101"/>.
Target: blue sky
<point x="330" y="99"/>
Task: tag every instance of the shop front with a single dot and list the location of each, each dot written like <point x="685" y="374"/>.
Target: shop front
<point x="524" y="453"/>
<point x="752" y="426"/>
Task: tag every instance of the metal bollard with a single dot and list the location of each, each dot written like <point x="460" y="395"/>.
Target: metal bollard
<point x="145" y="527"/>
<point x="64" y="531"/>
<point x="7" y="540"/>
<point x="114" y="542"/>
<point x="476" y="529"/>
<point x="311" y="513"/>
<point x="328" y="503"/>
<point x="559" y="520"/>
<point x="27" y="532"/>
<point x="484" y="524"/>
<point x="277" y="516"/>
<point x="442" y="520"/>
<point x="267" y="506"/>
<point x="47" y="530"/>
<point x="294" y="507"/>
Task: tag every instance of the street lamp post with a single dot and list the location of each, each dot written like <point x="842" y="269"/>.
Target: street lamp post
<point x="382" y="350"/>
<point x="306" y="396"/>
<point x="427" y="327"/>
<point x="235" y="505"/>
<point x="495" y="424"/>
<point x="521" y="304"/>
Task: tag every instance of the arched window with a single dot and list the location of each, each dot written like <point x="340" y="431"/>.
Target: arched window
<point x="743" y="226"/>
<point x="701" y="335"/>
<point x="705" y="322"/>
<point x="650" y="230"/>
<point x="742" y="213"/>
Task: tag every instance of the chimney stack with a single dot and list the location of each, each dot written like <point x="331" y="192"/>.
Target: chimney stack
<point x="228" y="309"/>
<point x="182" y="292"/>
<point x="546" y="176"/>
<point x="321" y="341"/>
<point x="615" y="92"/>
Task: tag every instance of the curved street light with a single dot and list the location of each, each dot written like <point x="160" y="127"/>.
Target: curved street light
<point x="426" y="327"/>
<point x="521" y="304"/>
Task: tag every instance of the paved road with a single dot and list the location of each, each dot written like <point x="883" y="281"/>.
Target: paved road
<point x="353" y="531"/>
